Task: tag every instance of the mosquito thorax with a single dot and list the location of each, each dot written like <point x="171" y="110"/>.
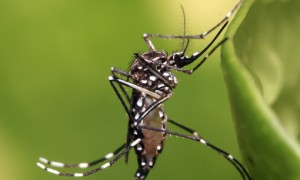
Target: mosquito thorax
<point x="151" y="70"/>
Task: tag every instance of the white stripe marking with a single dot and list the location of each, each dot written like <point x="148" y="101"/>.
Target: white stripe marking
<point x="160" y="85"/>
<point x="78" y="174"/>
<point x="57" y="164"/>
<point x="195" y="134"/>
<point x="166" y="74"/>
<point x="43" y="160"/>
<point x="140" y="102"/>
<point x="41" y="165"/>
<point x="53" y="171"/>
<point x="83" y="165"/>
<point x="230" y="157"/>
<point x="151" y="163"/>
<point x="105" y="165"/>
<point x="161" y="114"/>
<point x="110" y="155"/>
<point x="175" y="80"/>
<point x="135" y="142"/>
<point x="139" y="148"/>
<point x="228" y="14"/>
<point x="153" y="78"/>
<point x="203" y="141"/>
<point x="137" y="115"/>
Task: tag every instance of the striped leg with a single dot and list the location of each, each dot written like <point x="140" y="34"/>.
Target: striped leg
<point x="120" y="72"/>
<point x="200" y="36"/>
<point x="83" y="164"/>
<point x="240" y="168"/>
<point x="108" y="164"/>
<point x="133" y="86"/>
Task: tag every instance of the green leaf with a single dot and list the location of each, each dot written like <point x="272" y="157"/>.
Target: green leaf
<point x="261" y="66"/>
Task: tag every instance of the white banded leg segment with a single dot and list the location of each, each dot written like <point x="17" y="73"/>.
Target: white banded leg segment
<point x="44" y="160"/>
<point x="105" y="165"/>
<point x="52" y="163"/>
<point x="109" y="155"/>
<point x="79" y="165"/>
<point x="83" y="165"/>
<point x="202" y="141"/>
<point x="53" y="171"/>
<point x="57" y="164"/>
<point x="230" y="156"/>
<point x="148" y="42"/>
<point x="63" y="165"/>
<point x="56" y="172"/>
<point x="134" y="143"/>
<point x="42" y="166"/>
<point x="78" y="174"/>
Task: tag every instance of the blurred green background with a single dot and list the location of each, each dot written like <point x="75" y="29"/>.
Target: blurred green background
<point x="56" y="101"/>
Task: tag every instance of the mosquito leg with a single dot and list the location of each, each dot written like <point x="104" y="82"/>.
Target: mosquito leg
<point x="200" y="36"/>
<point x="83" y="164"/>
<point x="133" y="86"/>
<point x="148" y="42"/>
<point x="121" y="72"/>
<point x="108" y="164"/>
<point x="120" y="97"/>
<point x="207" y="56"/>
<point x="115" y="71"/>
<point x="196" y="135"/>
<point x="193" y="132"/>
<point x="201" y="140"/>
<point x="128" y="139"/>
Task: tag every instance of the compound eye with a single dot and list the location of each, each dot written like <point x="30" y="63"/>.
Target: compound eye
<point x="177" y="59"/>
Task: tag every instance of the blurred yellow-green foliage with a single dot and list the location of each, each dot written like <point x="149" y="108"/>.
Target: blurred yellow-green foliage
<point x="56" y="101"/>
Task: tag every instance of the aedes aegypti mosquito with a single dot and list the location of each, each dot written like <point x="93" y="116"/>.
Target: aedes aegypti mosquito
<point x="152" y="83"/>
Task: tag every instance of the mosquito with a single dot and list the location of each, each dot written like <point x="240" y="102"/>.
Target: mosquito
<point x="152" y="82"/>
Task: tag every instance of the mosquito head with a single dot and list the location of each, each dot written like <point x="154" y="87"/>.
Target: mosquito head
<point x="177" y="59"/>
